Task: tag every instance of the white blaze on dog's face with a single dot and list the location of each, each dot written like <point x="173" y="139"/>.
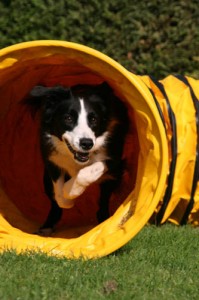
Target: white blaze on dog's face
<point x="80" y="131"/>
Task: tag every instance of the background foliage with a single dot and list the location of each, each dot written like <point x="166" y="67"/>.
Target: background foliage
<point x="156" y="37"/>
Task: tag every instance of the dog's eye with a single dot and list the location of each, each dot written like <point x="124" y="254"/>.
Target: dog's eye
<point x="92" y="120"/>
<point x="68" y="119"/>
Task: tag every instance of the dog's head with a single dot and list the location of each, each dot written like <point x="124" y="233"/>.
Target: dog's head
<point x="79" y="117"/>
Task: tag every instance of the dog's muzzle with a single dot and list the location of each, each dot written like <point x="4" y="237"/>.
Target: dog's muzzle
<point x="81" y="157"/>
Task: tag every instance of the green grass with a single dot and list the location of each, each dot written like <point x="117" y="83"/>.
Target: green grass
<point x="159" y="263"/>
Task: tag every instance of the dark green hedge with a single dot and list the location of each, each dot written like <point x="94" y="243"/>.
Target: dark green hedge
<point x="156" y="37"/>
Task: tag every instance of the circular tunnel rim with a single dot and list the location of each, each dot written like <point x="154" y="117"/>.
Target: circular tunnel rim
<point x="143" y="91"/>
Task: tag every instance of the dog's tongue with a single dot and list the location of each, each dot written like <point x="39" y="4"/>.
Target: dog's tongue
<point x="81" y="156"/>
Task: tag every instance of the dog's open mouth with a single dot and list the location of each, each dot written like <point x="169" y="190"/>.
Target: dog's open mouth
<point x="79" y="156"/>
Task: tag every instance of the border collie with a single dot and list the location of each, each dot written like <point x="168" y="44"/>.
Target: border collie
<point x="82" y="136"/>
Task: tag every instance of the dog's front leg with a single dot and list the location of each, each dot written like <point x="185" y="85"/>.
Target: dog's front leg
<point x="78" y="184"/>
<point x="62" y="201"/>
<point x="53" y="183"/>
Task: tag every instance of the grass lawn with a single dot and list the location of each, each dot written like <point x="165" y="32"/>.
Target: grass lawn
<point x="159" y="263"/>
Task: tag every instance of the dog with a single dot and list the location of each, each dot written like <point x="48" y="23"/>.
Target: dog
<point x="82" y="136"/>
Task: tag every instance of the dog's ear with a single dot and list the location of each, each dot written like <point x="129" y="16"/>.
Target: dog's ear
<point x="39" y="91"/>
<point x="36" y="95"/>
<point x="51" y="97"/>
<point x="34" y="99"/>
<point x="47" y="98"/>
<point x="105" y="87"/>
<point x="105" y="91"/>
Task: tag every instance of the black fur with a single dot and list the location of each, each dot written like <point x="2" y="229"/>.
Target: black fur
<point x="57" y="105"/>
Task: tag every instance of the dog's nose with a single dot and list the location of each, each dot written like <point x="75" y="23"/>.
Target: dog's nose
<point x="86" y="144"/>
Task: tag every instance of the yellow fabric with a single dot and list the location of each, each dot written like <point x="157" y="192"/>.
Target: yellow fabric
<point x="182" y="105"/>
<point x="24" y="65"/>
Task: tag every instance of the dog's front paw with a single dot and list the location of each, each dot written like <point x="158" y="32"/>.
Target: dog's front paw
<point x="91" y="173"/>
<point x="77" y="185"/>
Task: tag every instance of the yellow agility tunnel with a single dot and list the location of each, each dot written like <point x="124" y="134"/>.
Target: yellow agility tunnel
<point x="160" y="182"/>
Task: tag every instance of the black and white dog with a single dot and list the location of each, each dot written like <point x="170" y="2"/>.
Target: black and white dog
<point x="82" y="136"/>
